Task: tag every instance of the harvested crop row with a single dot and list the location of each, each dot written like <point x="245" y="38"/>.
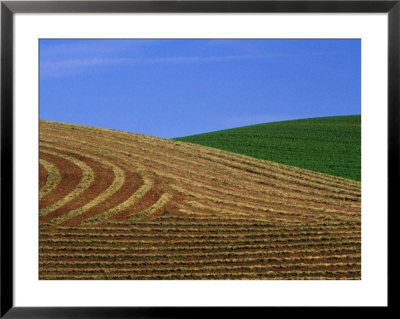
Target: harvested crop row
<point x="71" y="175"/>
<point x="42" y="176"/>
<point x="276" y="171"/>
<point x="164" y="161"/>
<point x="131" y="201"/>
<point x="292" y="275"/>
<point x="272" y="254"/>
<point x="172" y="210"/>
<point x="269" y="172"/>
<point x="174" y="229"/>
<point x="153" y="208"/>
<point x="205" y="243"/>
<point x="302" y="212"/>
<point x="243" y="196"/>
<point x="267" y="214"/>
<point x="122" y="205"/>
<point x="259" y="269"/>
<point x="208" y="261"/>
<point x="162" y="231"/>
<point x="293" y="252"/>
<point x="119" y="179"/>
<point x="53" y="177"/>
<point x="188" y="149"/>
<point x="204" y="249"/>
<point x="267" y="262"/>
<point x="87" y="179"/>
<point x="90" y="209"/>
<point x="265" y="239"/>
<point x="142" y="226"/>
<point x="257" y="189"/>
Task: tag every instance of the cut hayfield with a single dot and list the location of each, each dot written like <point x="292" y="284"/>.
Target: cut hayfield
<point x="116" y="205"/>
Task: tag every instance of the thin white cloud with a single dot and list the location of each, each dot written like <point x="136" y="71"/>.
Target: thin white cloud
<point x="51" y="68"/>
<point x="79" y="47"/>
<point x="67" y="66"/>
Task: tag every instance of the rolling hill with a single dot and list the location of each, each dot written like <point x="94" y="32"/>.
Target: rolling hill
<point x="116" y="205"/>
<point x="330" y="145"/>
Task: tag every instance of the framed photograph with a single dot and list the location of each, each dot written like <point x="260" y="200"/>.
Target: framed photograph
<point x="191" y="158"/>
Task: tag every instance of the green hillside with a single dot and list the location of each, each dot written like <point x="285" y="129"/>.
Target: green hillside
<point x="329" y="145"/>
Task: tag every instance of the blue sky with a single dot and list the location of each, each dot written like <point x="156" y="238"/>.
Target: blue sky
<point x="171" y="88"/>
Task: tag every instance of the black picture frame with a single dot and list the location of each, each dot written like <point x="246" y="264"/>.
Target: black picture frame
<point x="9" y="8"/>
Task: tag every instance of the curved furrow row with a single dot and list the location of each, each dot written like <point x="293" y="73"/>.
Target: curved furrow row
<point x="118" y="181"/>
<point x="267" y="170"/>
<point x="131" y="206"/>
<point x="117" y="184"/>
<point x="280" y="174"/>
<point x="87" y="179"/>
<point x="156" y="158"/>
<point x="254" y="189"/>
<point x="267" y="177"/>
<point x="249" y="197"/>
<point x="121" y="206"/>
<point x="130" y="202"/>
<point x="153" y="208"/>
<point x="221" y="205"/>
<point x="272" y="206"/>
<point x="250" y="220"/>
<point x="131" y="191"/>
<point x="187" y="150"/>
<point x="42" y="176"/>
<point x="53" y="178"/>
<point x="103" y="176"/>
<point x="303" y="174"/>
<point x="71" y="175"/>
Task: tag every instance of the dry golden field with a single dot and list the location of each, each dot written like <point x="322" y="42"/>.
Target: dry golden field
<point x="117" y="205"/>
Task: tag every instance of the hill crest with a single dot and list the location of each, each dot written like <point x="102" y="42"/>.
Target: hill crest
<point x="330" y="145"/>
